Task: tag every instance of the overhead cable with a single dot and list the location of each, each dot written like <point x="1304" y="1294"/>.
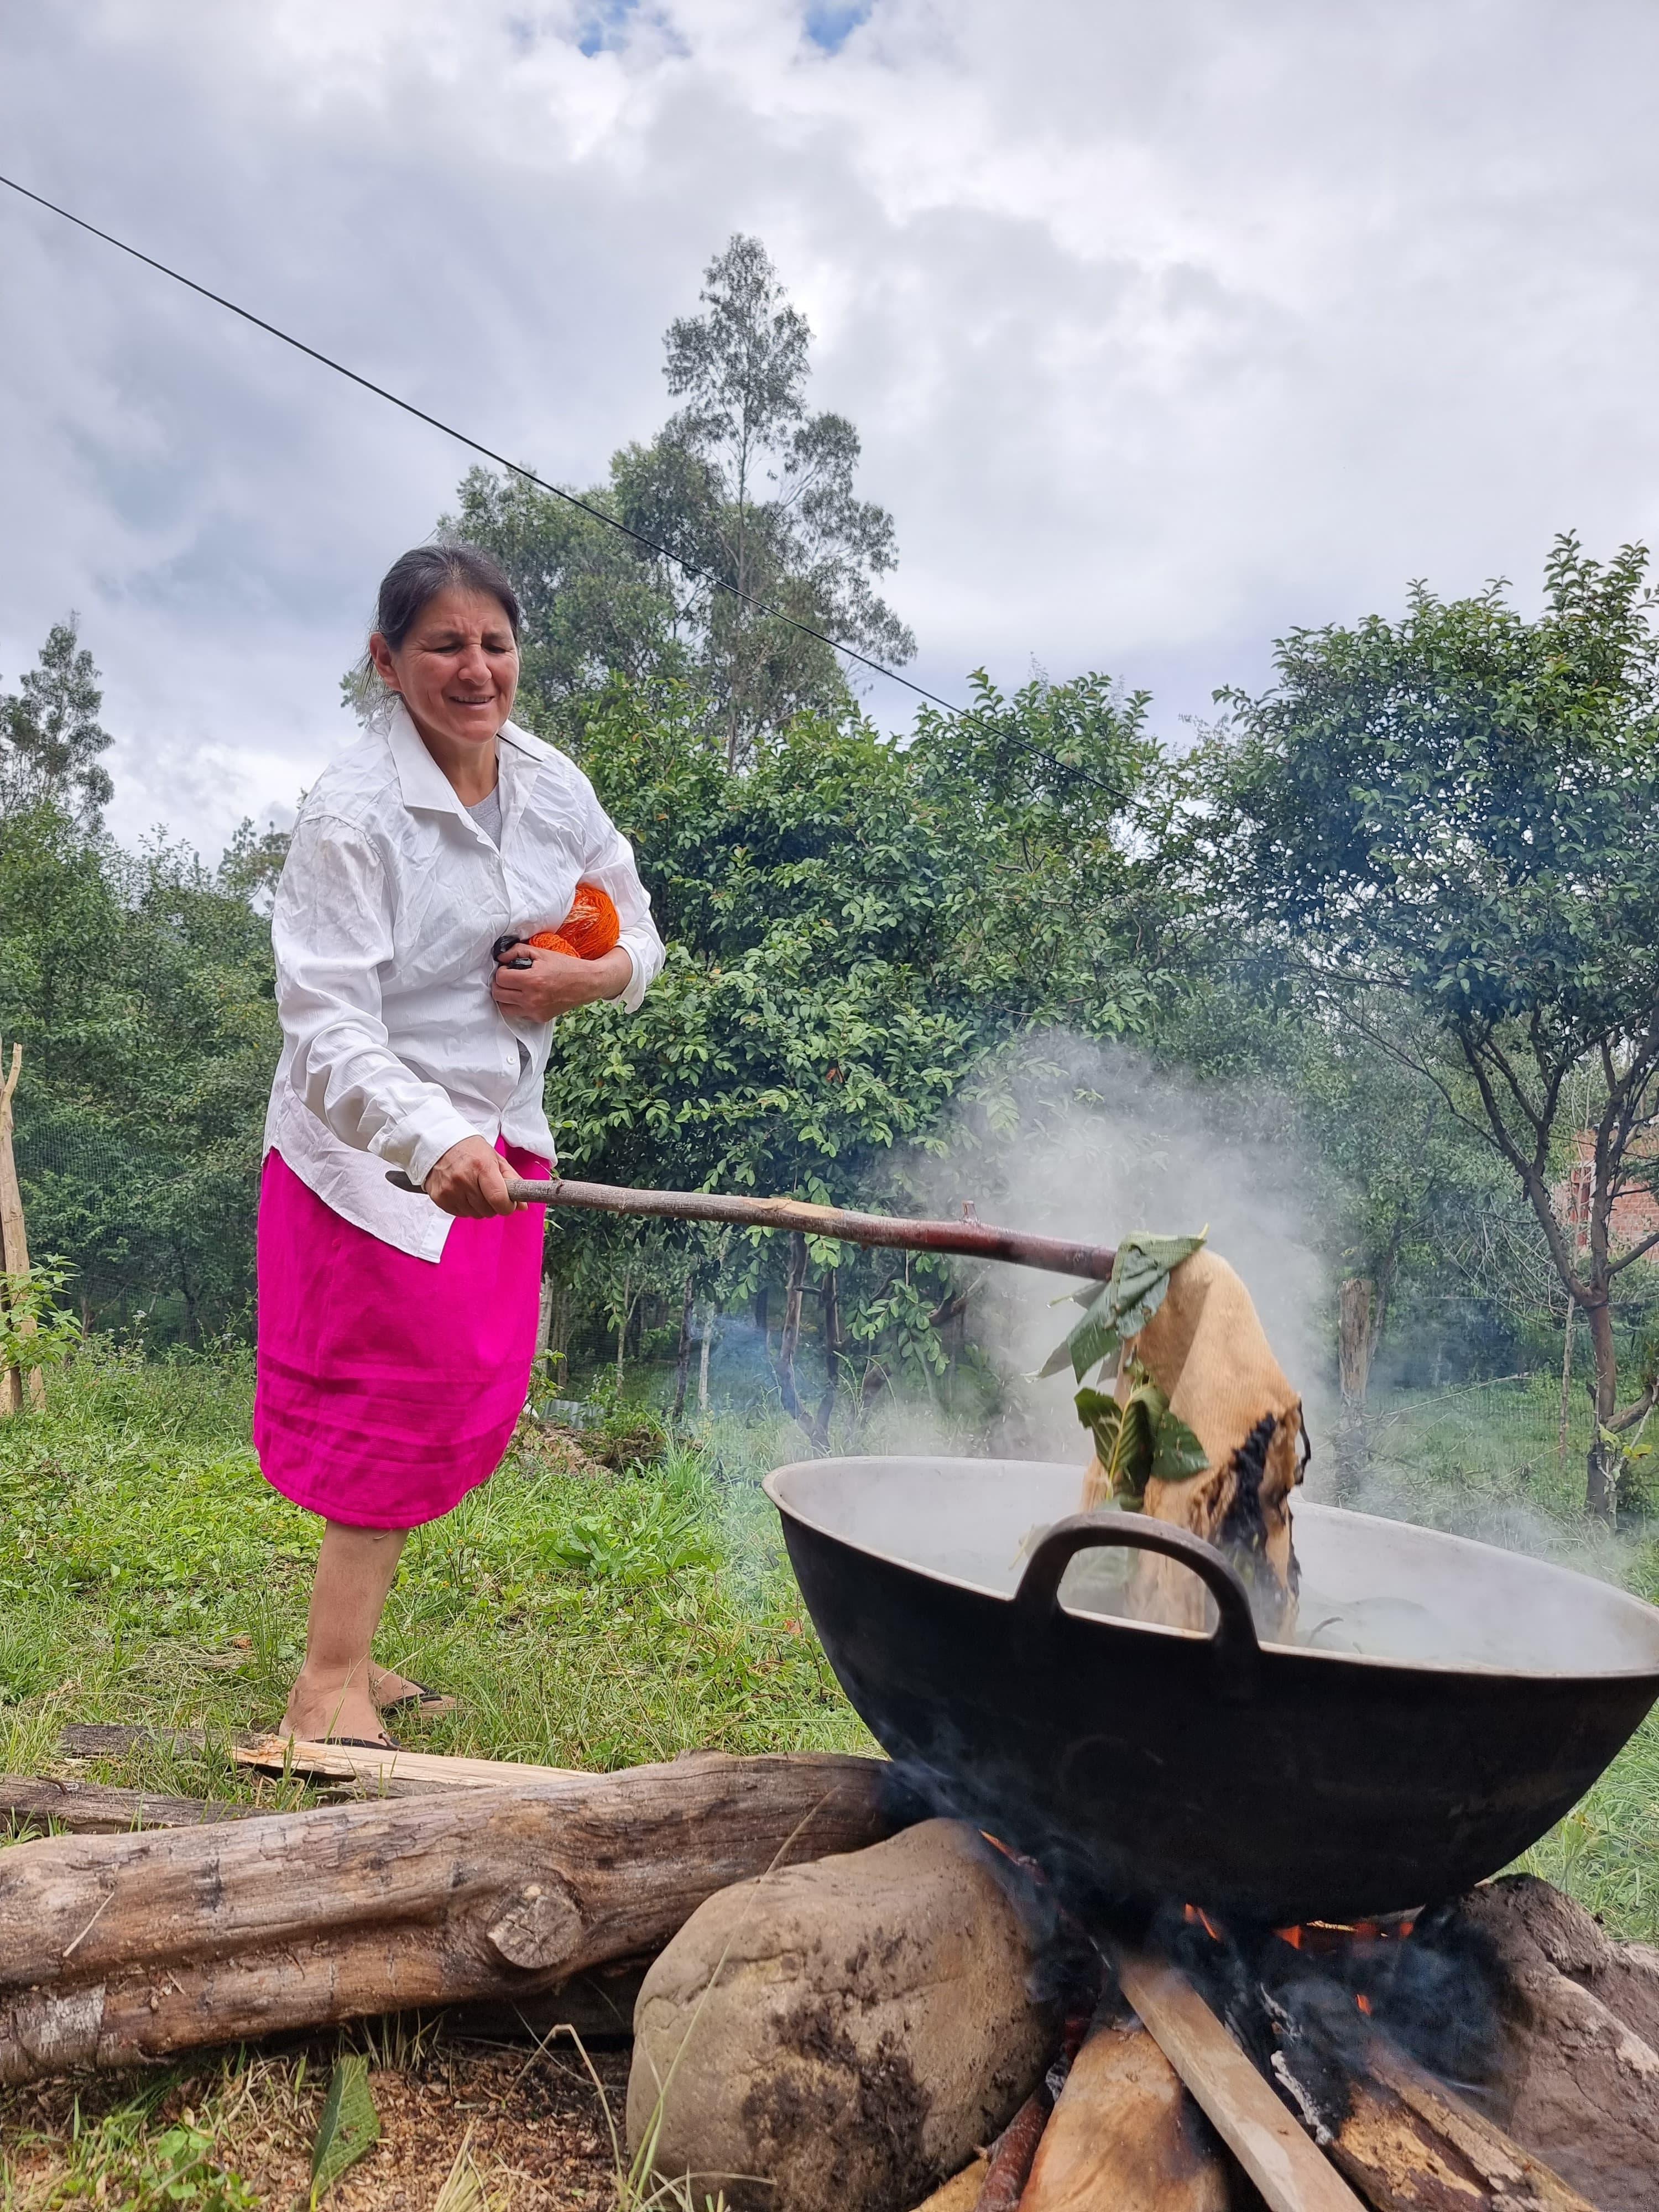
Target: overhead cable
<point x="514" y="468"/>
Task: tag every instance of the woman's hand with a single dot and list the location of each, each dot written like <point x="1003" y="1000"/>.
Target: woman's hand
<point x="470" y="1180"/>
<point x="555" y="984"/>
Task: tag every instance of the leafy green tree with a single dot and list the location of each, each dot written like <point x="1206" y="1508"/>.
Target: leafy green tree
<point x="140" y="986"/>
<point x="836" y="971"/>
<point x="1440" y="835"/>
<point x="50" y="736"/>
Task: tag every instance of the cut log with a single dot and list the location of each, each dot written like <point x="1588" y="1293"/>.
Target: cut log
<point x="117" y="1949"/>
<point x="1407" y="2141"/>
<point x="89" y="1809"/>
<point x="1274" y="2151"/>
<point x="1126" y="2136"/>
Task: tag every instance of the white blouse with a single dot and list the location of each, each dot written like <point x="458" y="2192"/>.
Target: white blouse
<point x="390" y="898"/>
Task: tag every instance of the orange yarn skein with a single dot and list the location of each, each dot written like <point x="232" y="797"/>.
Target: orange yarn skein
<point x="588" y="931"/>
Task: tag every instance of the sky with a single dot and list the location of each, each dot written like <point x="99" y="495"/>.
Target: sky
<point x="1166" y="327"/>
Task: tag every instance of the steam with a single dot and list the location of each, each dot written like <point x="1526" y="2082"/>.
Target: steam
<point x="1079" y="1141"/>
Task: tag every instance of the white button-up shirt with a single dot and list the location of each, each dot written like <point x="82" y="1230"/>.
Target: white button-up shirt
<point x="390" y="898"/>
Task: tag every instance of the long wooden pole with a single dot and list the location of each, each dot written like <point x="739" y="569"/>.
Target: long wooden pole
<point x="1055" y="1253"/>
<point x="13" y="1246"/>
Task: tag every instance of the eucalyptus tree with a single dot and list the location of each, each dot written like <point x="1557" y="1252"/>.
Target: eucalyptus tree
<point x="51" y="739"/>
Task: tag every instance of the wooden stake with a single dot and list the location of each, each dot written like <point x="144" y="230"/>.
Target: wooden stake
<point x="14" y="1245"/>
<point x="1288" y="2169"/>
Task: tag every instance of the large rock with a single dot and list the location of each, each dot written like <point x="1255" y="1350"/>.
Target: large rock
<point x="838" y="2037"/>
<point x="1580" y="2084"/>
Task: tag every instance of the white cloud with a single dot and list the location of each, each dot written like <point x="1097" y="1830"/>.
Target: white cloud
<point x="1165" y="328"/>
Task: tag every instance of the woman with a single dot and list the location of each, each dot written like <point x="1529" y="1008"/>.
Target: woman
<point x="396" y="1331"/>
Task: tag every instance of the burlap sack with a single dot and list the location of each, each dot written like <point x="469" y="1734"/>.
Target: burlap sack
<point x="1206" y="1351"/>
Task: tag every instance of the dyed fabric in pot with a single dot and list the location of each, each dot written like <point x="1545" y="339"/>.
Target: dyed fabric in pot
<point x="389" y="1386"/>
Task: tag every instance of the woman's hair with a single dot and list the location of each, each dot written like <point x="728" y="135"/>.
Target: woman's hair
<point x="416" y="578"/>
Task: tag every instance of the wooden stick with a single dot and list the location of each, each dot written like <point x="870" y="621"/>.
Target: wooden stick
<point x="117" y="1949"/>
<point x="1126" y="2136"/>
<point x="1011" y="2155"/>
<point x="1285" y="2167"/>
<point x="14" y="1246"/>
<point x="1055" y="1253"/>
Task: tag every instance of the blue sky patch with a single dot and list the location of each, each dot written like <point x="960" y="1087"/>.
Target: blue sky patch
<point x="831" y="23"/>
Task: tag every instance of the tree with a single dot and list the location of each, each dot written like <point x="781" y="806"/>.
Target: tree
<point x="50" y="738"/>
<point x="843" y="955"/>
<point x="745" y="484"/>
<point x="593" y="607"/>
<point x="1442" y="834"/>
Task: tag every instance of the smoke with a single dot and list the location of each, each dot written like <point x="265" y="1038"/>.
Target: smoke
<point x="1073" y="1138"/>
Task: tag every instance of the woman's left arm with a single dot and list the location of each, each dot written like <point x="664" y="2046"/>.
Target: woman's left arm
<point x="609" y="864"/>
<point x="554" y="984"/>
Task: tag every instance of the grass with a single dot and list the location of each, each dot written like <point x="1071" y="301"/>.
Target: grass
<point x="584" y="1618"/>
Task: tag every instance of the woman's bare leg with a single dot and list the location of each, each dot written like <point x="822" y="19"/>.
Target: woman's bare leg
<point x="335" y="1692"/>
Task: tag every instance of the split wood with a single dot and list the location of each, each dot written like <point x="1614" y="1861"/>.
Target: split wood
<point x="1126" y="2134"/>
<point x="1407" y="2141"/>
<point x="379" y="1770"/>
<point x="118" y="1949"/>
<point x="1055" y="1253"/>
<point x="14" y="1245"/>
<point x="1289" y="2171"/>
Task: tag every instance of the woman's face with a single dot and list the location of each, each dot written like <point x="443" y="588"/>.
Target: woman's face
<point x="457" y="668"/>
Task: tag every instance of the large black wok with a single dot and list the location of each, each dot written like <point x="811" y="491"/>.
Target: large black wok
<point x="1454" y="1700"/>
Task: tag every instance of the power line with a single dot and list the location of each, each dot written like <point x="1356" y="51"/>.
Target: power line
<point x="515" y="468"/>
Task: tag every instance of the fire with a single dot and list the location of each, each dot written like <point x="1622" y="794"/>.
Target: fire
<point x="1364" y="2003"/>
<point x="1195" y="1916"/>
<point x="1326" y="1936"/>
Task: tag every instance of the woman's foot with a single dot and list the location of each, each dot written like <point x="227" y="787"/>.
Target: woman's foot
<point x="317" y="1712"/>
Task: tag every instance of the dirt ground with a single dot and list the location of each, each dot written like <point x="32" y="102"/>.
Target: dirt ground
<point x="485" y="2127"/>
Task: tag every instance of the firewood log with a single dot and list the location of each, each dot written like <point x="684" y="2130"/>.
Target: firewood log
<point x="1126" y="2136"/>
<point x="93" y="1809"/>
<point x="1405" y="2142"/>
<point x="114" y="1949"/>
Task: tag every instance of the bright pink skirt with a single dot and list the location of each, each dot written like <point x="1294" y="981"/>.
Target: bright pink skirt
<point x="387" y="1386"/>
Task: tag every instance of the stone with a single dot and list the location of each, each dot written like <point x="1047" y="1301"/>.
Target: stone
<point x="1579" y="2082"/>
<point x="841" y="2036"/>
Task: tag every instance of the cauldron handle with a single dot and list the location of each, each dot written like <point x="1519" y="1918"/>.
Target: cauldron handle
<point x="1233" y="1643"/>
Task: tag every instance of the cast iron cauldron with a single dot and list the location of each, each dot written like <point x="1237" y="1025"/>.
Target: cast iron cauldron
<point x="1479" y="1694"/>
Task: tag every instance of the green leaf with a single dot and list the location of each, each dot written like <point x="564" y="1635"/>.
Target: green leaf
<point x="1124" y="1306"/>
<point x="350" y="2126"/>
<point x="1177" y="1452"/>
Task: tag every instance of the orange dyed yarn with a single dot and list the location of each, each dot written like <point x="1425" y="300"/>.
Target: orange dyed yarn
<point x="588" y="931"/>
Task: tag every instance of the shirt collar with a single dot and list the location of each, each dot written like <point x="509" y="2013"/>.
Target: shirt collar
<point x="424" y="783"/>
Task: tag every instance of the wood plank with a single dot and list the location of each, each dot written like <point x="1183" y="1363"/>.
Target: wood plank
<point x="1289" y="2171"/>
<point x="281" y="1754"/>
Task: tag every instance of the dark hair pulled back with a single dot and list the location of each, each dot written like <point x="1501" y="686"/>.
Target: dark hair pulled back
<point x="416" y="578"/>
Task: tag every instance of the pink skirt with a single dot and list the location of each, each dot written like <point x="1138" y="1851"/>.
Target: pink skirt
<point x="387" y="1386"/>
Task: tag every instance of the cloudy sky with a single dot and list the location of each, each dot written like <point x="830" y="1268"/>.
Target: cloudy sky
<point x="1166" y="326"/>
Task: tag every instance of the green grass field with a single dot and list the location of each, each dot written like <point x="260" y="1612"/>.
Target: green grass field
<point x="584" y="1618"/>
